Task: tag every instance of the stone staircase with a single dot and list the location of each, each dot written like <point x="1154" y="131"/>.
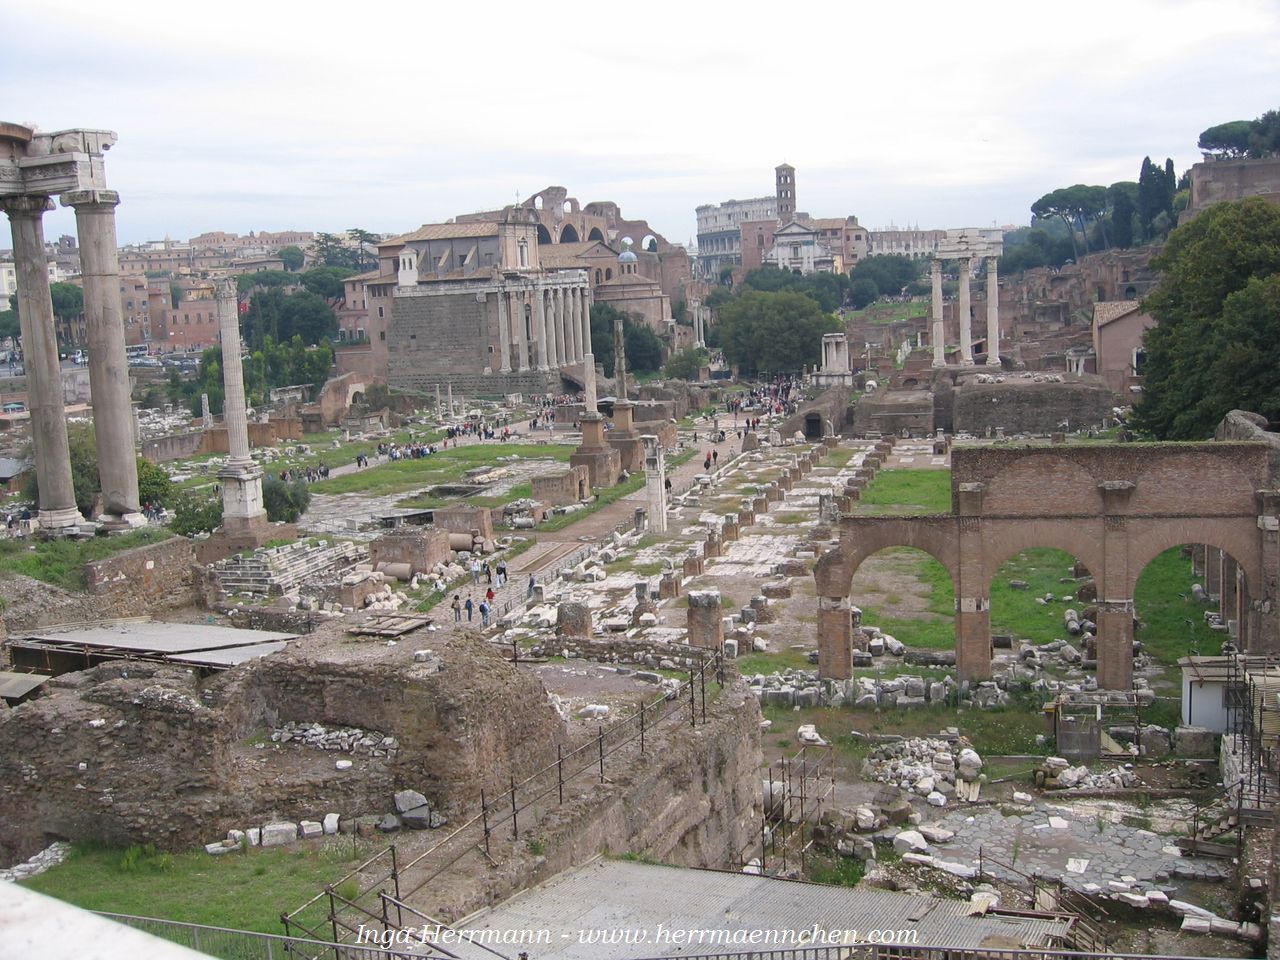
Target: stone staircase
<point x="272" y="571"/>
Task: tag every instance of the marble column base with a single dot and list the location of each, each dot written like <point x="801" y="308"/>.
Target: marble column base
<point x="56" y="520"/>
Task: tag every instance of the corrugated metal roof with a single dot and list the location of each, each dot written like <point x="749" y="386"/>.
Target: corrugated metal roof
<point x="648" y="900"/>
<point x="157" y="637"/>
<point x="16" y="685"/>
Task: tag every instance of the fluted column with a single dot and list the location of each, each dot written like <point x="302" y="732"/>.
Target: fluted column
<point x="540" y="325"/>
<point x="586" y="323"/>
<point x="57" y="499"/>
<point x="519" y="321"/>
<point x="993" y="314"/>
<point x="108" y="365"/>
<point x="939" y="334"/>
<point x="557" y="300"/>
<point x="504" y="334"/>
<point x="962" y="312"/>
<point x="572" y="325"/>
<point x="234" y="414"/>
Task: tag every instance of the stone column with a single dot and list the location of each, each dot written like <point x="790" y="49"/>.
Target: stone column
<point x="540" y="325"/>
<point x="57" y="500"/>
<point x="973" y="639"/>
<point x="234" y="414"/>
<point x="589" y="382"/>
<point x="962" y="312"/>
<point x="504" y="334"/>
<point x="939" y="335"/>
<point x="518" y="320"/>
<point x="993" y="314"/>
<point x="705" y="620"/>
<point x="243" y="513"/>
<point x="557" y="327"/>
<point x="655" y="475"/>
<point x="586" y="323"/>
<point x="450" y="398"/>
<point x="108" y="365"/>
<point x="575" y="323"/>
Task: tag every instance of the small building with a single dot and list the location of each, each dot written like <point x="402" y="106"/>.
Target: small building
<point x="796" y="248"/>
<point x="1118" y="327"/>
<point x="1205" y="682"/>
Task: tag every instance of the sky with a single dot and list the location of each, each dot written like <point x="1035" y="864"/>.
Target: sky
<point x="276" y="115"/>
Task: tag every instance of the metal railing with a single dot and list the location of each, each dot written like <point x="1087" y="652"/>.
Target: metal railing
<point x="886" y="951"/>
<point x="231" y="944"/>
<point x="332" y="914"/>
<point x="1054" y="895"/>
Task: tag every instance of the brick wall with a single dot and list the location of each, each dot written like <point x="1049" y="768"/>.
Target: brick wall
<point x="159" y="574"/>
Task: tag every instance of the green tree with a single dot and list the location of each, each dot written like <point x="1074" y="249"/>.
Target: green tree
<point x="685" y="364"/>
<point x="68" y="300"/>
<point x="84" y="471"/>
<point x="9" y="326"/>
<point x="327" y="281"/>
<point x="175" y="294"/>
<point x="774" y="332"/>
<point x="1227" y="139"/>
<point x="195" y="512"/>
<point x="1124" y="205"/>
<point x="1074" y="205"/>
<point x="332" y="252"/>
<point x="891" y="273"/>
<point x="362" y="238"/>
<point x="293" y="258"/>
<point x="644" y="349"/>
<point x="154" y="483"/>
<point x="285" y="501"/>
<point x="264" y="280"/>
<point x="863" y="293"/>
<point x="1214" y="338"/>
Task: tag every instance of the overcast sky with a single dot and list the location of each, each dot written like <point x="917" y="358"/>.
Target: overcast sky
<point x="270" y="115"/>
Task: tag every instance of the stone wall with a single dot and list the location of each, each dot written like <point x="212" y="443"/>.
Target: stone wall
<point x="420" y="548"/>
<point x="464" y="520"/>
<point x="563" y="488"/>
<point x="1219" y="181"/>
<point x="1243" y="425"/>
<point x="159" y="575"/>
<point x="1029" y="407"/>
<point x="138" y="753"/>
<point x="175" y="446"/>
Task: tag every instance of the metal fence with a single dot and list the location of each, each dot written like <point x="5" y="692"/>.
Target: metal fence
<point x="230" y="944"/>
<point x="383" y="884"/>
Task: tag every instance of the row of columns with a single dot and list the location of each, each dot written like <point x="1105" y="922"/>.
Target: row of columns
<point x="698" y="312"/>
<point x="558" y="331"/>
<point x="108" y="365"/>
<point x="962" y="314"/>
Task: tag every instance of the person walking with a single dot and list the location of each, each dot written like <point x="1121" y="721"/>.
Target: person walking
<point x="457" y="608"/>
<point x="488" y="573"/>
<point x="533" y="582"/>
<point x="475" y="570"/>
<point x="484" y="613"/>
<point x="488" y="594"/>
<point x="502" y="572"/>
<point x="470" y="605"/>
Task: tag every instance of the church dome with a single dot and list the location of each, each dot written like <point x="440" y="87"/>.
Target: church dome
<point x="626" y="256"/>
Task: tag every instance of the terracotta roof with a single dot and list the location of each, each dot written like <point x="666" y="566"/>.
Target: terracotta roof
<point x="553" y="255"/>
<point x="367" y="275"/>
<point x="828" y="223"/>
<point x="1110" y="310"/>
<point x="447" y="231"/>
<point x="629" y="279"/>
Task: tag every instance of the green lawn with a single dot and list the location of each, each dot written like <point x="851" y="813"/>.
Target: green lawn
<point x="1016" y="612"/>
<point x="245" y="890"/>
<point x="935" y="630"/>
<point x="907" y="492"/>
<point x="61" y="562"/>
<point x="767" y="663"/>
<point x="447" y="466"/>
<point x="890" y="312"/>
<point x="1163" y="603"/>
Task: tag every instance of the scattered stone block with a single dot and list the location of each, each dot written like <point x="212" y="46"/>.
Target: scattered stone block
<point x="330" y="824"/>
<point x="407" y="800"/>
<point x="311" y="829"/>
<point x="279" y="834"/>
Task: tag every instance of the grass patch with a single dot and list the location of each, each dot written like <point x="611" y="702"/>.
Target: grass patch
<point x="1016" y="612"/>
<point x="767" y="663"/>
<point x="1162" y="600"/>
<point x="935" y="628"/>
<point x="838" y="457"/>
<point x="836" y="871"/>
<point x="1000" y="730"/>
<point x="447" y="466"/>
<point x="247" y="890"/>
<point x="907" y="492"/>
<point x="890" y="312"/>
<point x="61" y="562"/>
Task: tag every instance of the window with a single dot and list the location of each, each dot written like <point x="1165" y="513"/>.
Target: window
<point x="380" y="313"/>
<point x="382" y="334"/>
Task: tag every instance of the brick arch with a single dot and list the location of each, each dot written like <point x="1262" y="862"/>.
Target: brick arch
<point x="1059" y="480"/>
<point x="1235" y="537"/>
<point x="864" y="536"/>
<point x="1004" y="540"/>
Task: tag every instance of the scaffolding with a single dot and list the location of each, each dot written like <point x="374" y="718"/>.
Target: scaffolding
<point x="1251" y="760"/>
<point x="797" y="790"/>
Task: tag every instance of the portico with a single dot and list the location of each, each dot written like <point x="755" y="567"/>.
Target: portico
<point x="966" y="247"/>
<point x="34" y="168"/>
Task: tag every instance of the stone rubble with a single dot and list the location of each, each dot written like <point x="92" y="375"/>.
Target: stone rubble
<point x="345" y="740"/>
<point x="50" y="856"/>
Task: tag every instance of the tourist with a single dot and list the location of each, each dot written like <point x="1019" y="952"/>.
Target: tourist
<point x="715" y="456"/>
<point x="706" y="463"/>
<point x="488" y="574"/>
<point x="475" y="571"/>
<point x="488" y="594"/>
<point x="457" y="608"/>
<point x="470" y="606"/>
<point x="502" y="572"/>
<point x="533" y="582"/>
<point x="484" y="613"/>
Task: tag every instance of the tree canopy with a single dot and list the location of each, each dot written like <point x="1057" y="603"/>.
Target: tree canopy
<point x="273" y="365"/>
<point x="1216" y="344"/>
<point x="685" y="364"/>
<point x="281" y="316"/>
<point x="891" y="273"/>
<point x="774" y="332"/>
<point x="1244" y="138"/>
<point x="293" y="258"/>
<point x="826" y="288"/>
<point x="68" y="300"/>
<point x="644" y="349"/>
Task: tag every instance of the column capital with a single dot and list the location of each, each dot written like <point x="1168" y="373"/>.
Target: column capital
<point x="27" y="206"/>
<point x="86" y="198"/>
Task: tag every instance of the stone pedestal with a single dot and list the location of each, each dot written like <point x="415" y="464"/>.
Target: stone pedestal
<point x="973" y="642"/>
<point x="573" y="619"/>
<point x="711" y="547"/>
<point x="706" y="620"/>
<point x="669" y="586"/>
<point x="52" y="453"/>
<point x="108" y="365"/>
<point x="624" y="438"/>
<point x="601" y="460"/>
<point x="1115" y="647"/>
<point x="693" y="565"/>
<point x="243" y="514"/>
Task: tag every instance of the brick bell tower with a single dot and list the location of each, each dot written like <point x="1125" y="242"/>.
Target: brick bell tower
<point x="785" y="180"/>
